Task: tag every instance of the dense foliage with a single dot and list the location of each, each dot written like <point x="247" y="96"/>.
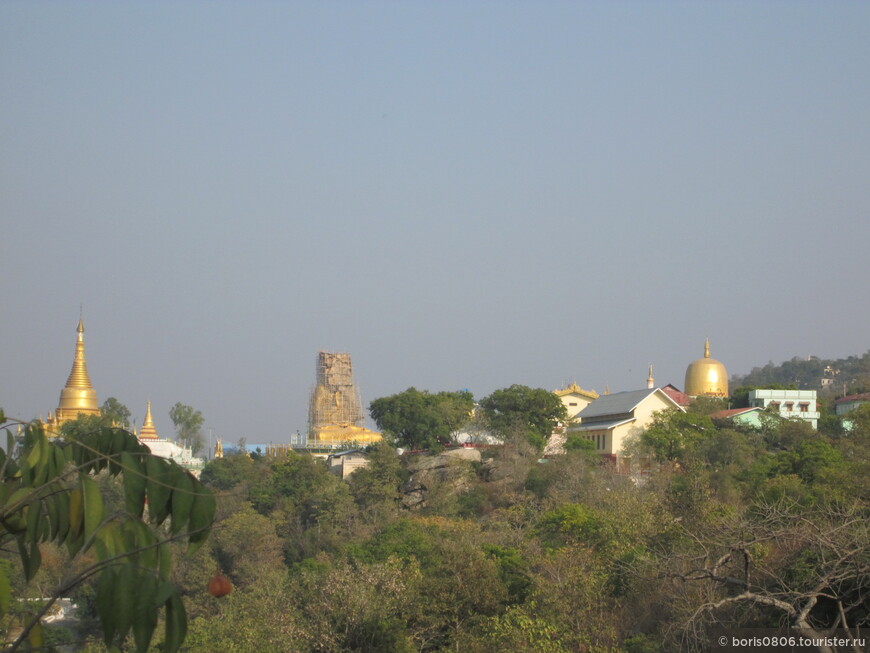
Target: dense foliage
<point x="74" y="507"/>
<point x="721" y="525"/>
<point x="727" y="525"/>
<point x="534" y="411"/>
<point x="422" y="420"/>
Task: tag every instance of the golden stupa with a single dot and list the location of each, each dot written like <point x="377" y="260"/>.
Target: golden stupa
<point x="706" y="377"/>
<point x="148" y="431"/>
<point x="78" y="396"/>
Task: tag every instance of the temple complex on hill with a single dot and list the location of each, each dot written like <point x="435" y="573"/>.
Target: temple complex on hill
<point x="78" y="397"/>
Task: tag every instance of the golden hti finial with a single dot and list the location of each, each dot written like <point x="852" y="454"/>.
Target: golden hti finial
<point x="707" y="348"/>
<point x="219" y="449"/>
<point x="650" y="380"/>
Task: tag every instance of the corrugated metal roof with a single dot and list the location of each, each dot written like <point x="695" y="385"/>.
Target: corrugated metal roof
<point x="615" y="404"/>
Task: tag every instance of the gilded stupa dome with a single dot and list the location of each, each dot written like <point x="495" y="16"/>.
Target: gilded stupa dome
<point x="78" y="396"/>
<point x="706" y="377"/>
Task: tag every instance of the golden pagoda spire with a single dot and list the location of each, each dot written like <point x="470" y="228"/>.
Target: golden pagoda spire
<point x="650" y="380"/>
<point x="707" y="348"/>
<point x="78" y="395"/>
<point x="78" y="376"/>
<point x="148" y="432"/>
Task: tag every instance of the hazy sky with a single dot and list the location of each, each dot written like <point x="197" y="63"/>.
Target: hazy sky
<point x="460" y="194"/>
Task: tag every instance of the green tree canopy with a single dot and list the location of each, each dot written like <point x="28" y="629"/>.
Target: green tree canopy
<point x="188" y="426"/>
<point x="535" y="410"/>
<point x="115" y="413"/>
<point x="421" y="420"/>
<point x="675" y="435"/>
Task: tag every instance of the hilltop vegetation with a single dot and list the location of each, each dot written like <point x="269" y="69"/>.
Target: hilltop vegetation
<point x="807" y="374"/>
<point x="731" y="526"/>
<point x="728" y="525"/>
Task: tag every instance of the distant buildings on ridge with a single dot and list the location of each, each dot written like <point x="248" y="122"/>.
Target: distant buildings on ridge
<point x="337" y="420"/>
<point x="78" y="397"/>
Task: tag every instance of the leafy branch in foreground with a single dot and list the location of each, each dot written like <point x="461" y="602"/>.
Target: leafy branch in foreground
<point x="48" y="493"/>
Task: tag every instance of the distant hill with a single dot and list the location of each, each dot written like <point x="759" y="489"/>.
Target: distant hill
<point x="813" y="373"/>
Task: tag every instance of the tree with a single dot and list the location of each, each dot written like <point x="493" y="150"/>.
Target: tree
<point x="115" y="413"/>
<point x="421" y="420"/>
<point x="535" y="410"/>
<point x="377" y="487"/>
<point x="49" y="494"/>
<point x="188" y="426"/>
<point x="674" y="435"/>
<point x="778" y="562"/>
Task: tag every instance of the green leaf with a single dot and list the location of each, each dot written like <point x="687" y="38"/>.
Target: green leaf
<point x="164" y="591"/>
<point x="5" y="591"/>
<point x="60" y="459"/>
<point x="30" y="560"/>
<point x="34" y="516"/>
<point x="14" y="514"/>
<point x="145" y="613"/>
<point x="105" y="603"/>
<point x="119" y="445"/>
<point x="139" y="537"/>
<point x="62" y="501"/>
<point x="52" y="516"/>
<point x="176" y="623"/>
<point x="201" y="517"/>
<point x="126" y="586"/>
<point x="93" y="505"/>
<point x="76" y="512"/>
<point x="106" y="542"/>
<point x="165" y="560"/>
<point x="40" y="463"/>
<point x="134" y="484"/>
<point x="159" y="491"/>
<point x="35" y="637"/>
<point x="182" y="499"/>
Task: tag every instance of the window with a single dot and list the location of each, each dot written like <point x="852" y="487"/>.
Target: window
<point x="804" y="407"/>
<point x="789" y="406"/>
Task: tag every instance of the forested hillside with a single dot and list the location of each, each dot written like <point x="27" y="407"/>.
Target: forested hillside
<point x="492" y="550"/>
<point x="807" y="374"/>
<point x="731" y="526"/>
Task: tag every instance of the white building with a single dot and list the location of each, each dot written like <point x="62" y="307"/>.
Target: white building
<point x="792" y="404"/>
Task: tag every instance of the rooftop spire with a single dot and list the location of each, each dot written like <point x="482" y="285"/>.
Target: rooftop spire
<point x="650" y="380"/>
<point x="707" y="348"/>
